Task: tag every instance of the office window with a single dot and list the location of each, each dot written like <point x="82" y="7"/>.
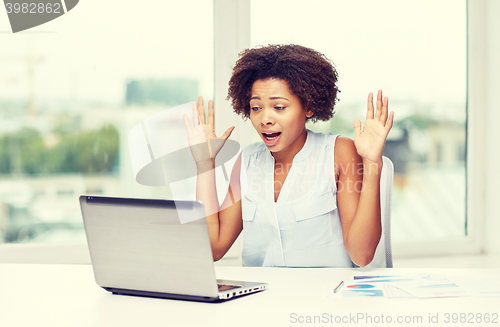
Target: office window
<point x="415" y="51"/>
<point x="71" y="89"/>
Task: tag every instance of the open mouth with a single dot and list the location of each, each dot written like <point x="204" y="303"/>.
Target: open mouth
<point x="271" y="136"/>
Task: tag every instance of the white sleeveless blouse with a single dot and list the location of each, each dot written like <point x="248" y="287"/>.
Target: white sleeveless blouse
<point x="303" y="228"/>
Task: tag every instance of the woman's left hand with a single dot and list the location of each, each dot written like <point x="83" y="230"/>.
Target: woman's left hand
<point x="370" y="140"/>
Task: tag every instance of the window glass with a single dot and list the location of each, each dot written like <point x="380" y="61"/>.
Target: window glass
<point x="71" y="90"/>
<point x="415" y="51"/>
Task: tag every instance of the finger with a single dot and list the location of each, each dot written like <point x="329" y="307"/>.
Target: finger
<point x="201" y="110"/>
<point x="390" y="121"/>
<point x="369" y="107"/>
<point x="227" y="133"/>
<point x="187" y="124"/>
<point x="211" y="115"/>
<point x="379" y="105"/>
<point x="384" y="111"/>
<point x="357" y="127"/>
<point x="196" y="117"/>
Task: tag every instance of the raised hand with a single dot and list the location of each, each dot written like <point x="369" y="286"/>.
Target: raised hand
<point x="204" y="144"/>
<point x="370" y="139"/>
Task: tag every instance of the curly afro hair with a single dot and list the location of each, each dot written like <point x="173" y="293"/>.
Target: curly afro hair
<point x="309" y="74"/>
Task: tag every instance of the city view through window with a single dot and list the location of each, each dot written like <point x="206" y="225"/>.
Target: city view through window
<point x="69" y="94"/>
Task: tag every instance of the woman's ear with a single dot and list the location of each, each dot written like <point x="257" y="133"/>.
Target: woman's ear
<point x="309" y="113"/>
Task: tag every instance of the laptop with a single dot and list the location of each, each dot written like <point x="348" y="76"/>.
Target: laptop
<point x="140" y="247"/>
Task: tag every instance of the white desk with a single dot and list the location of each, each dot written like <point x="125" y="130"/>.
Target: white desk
<point x="66" y="295"/>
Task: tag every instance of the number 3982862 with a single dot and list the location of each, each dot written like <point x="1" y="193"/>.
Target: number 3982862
<point x="33" y="8"/>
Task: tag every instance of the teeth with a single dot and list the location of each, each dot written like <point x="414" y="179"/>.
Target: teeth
<point x="269" y="137"/>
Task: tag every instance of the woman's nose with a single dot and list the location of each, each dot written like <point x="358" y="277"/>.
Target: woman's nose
<point x="267" y="118"/>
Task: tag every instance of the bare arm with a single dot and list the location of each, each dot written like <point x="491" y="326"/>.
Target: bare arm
<point x="223" y="225"/>
<point x="359" y="165"/>
<point x="358" y="199"/>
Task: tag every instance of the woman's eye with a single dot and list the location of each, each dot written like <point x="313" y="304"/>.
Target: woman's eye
<point x="279" y="108"/>
<point x="254" y="108"/>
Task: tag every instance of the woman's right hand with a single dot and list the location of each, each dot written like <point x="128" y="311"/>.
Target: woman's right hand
<point x="203" y="142"/>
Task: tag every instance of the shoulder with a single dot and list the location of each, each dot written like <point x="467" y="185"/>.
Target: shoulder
<point x="345" y="151"/>
<point x="344" y="145"/>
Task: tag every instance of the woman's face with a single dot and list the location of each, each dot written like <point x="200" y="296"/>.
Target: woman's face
<point x="278" y="116"/>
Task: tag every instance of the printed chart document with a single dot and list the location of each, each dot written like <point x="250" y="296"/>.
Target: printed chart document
<point x="418" y="285"/>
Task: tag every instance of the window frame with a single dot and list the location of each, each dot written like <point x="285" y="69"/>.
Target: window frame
<point x="473" y="240"/>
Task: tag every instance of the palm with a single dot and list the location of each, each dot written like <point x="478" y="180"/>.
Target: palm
<point x="204" y="143"/>
<point x="370" y="140"/>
